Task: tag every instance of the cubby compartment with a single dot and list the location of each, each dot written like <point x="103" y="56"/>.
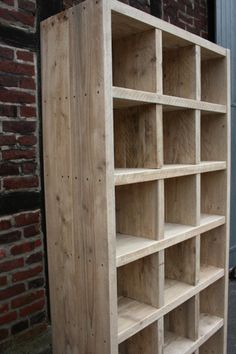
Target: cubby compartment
<point x="181" y="270"/>
<point x="214" y="345"/>
<point x="213" y="77"/>
<point x="180" y="136"/>
<point x="213" y="193"/>
<point x="138" y="210"/>
<point x="181" y="207"/>
<point x="138" y="137"/>
<point x="135" y="61"/>
<point x="213" y="137"/>
<point x="179" y="67"/>
<point x="181" y="328"/>
<point x="147" y="341"/>
<point x="213" y="245"/>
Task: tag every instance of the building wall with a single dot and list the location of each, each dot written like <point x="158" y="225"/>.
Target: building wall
<point x="22" y="263"/>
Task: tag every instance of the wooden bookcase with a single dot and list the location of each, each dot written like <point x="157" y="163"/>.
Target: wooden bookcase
<point x="136" y="130"/>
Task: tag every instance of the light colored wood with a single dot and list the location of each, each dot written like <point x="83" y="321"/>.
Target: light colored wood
<point x="133" y="316"/>
<point x="136" y="175"/>
<point x="137" y="68"/>
<point x="141" y="20"/>
<point x="179" y="72"/>
<point x="148" y="341"/>
<point x="214" y="137"/>
<point x="180" y="200"/>
<point x="130" y="248"/>
<point x="79" y="179"/>
<point x="214" y="80"/>
<point x="214" y="344"/>
<point x="137" y="209"/>
<point x="213" y="193"/>
<point x="213" y="246"/>
<point x="175" y="344"/>
<point x="212" y="299"/>
<point x="138" y="137"/>
<point x="125" y="97"/>
<point x="180" y="137"/>
<point x="142" y="280"/>
<point x="180" y="262"/>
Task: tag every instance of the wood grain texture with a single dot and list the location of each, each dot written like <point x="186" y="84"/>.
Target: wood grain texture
<point x="138" y="137"/>
<point x="78" y="179"/>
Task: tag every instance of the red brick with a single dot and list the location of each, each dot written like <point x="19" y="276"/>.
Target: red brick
<point x="3" y="333"/>
<point x="5" y="224"/>
<point x="25" y="247"/>
<point x="17" y="17"/>
<point x="10" y="265"/>
<point x="17" y="68"/>
<point x="20" y="182"/>
<point x="28" y="167"/>
<point x="19" y="127"/>
<point x="8" y="80"/>
<point x="7" y="140"/>
<point x="3" y="281"/>
<point x="15" y="96"/>
<point x="31" y="230"/>
<point x="2" y="253"/>
<point x="6" y="53"/>
<point x="27" y="112"/>
<point x="19" y="326"/>
<point x="37" y="306"/>
<point x="8" y="169"/>
<point x="34" y="258"/>
<point x="26" y="274"/>
<point x="8" y="111"/>
<point x="24" y="55"/>
<point x="10" y="237"/>
<point x="27" y="299"/>
<point x="18" y="154"/>
<point x="4" y="308"/>
<point x="12" y="291"/>
<point x="27" y="83"/>
<point x="27" y="219"/>
<point x="26" y="5"/>
<point x="10" y="317"/>
<point x="27" y="140"/>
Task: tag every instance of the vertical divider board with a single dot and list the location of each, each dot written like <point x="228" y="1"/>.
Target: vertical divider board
<point x="139" y="266"/>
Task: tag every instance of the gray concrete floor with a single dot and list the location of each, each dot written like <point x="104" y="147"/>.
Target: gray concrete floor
<point x="232" y="318"/>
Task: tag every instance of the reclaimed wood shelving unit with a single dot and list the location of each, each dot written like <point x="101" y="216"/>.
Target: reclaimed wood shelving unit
<point x="136" y="120"/>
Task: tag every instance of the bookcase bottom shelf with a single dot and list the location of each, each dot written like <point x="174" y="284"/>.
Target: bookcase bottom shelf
<point x="130" y="248"/>
<point x="208" y="325"/>
<point x="133" y="315"/>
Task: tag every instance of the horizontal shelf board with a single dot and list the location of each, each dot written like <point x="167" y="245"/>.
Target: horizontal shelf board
<point x="124" y="97"/>
<point x="208" y="325"/>
<point x="136" y="175"/>
<point x="139" y="19"/>
<point x="133" y="315"/>
<point x="130" y="248"/>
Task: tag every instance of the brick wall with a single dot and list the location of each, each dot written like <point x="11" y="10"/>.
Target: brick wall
<point x="22" y="273"/>
<point x="22" y="279"/>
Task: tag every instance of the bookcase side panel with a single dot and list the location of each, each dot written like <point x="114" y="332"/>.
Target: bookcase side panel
<point x="78" y="160"/>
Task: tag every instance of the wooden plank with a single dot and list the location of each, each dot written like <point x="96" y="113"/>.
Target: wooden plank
<point x="148" y="341"/>
<point x="142" y="280"/>
<point x="79" y="179"/>
<point x="125" y="97"/>
<point x="179" y="72"/>
<point x="137" y="68"/>
<point x="214" y="344"/>
<point x="180" y="137"/>
<point x="213" y="244"/>
<point x="133" y="316"/>
<point x="137" y="209"/>
<point x="142" y="19"/>
<point x="180" y="207"/>
<point x="137" y="175"/>
<point x="130" y="248"/>
<point x="138" y="137"/>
